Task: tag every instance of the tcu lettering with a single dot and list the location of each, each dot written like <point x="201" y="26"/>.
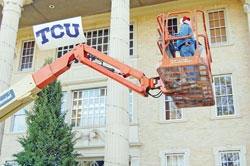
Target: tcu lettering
<point x="60" y="32"/>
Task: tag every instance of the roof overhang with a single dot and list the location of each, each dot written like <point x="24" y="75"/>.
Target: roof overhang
<point x="40" y="11"/>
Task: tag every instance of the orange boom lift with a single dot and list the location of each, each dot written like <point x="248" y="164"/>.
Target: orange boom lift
<point x="173" y="80"/>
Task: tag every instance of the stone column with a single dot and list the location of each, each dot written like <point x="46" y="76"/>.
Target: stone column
<point x="8" y="34"/>
<point x="116" y="142"/>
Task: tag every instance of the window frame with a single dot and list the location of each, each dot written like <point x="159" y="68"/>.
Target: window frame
<point x="108" y="43"/>
<point x="97" y="29"/>
<point x="64" y="102"/>
<point x="133" y="40"/>
<point x="13" y="120"/>
<point x="81" y="117"/>
<point x="186" y="153"/>
<point x="10" y="163"/>
<point x="90" y="160"/>
<point x="21" y="56"/>
<point x="170" y="108"/>
<point x="242" y="153"/>
<point x="177" y="25"/>
<point x="236" y="112"/>
<point x="57" y="49"/>
<point x="226" y="27"/>
<point x="131" y="105"/>
<point x="85" y="32"/>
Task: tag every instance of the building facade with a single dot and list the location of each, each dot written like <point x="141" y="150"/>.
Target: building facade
<point x="159" y="134"/>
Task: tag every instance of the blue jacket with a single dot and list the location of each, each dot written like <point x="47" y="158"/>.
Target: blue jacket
<point x="185" y="30"/>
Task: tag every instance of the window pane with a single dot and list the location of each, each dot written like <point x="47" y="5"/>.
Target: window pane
<point x="11" y="163"/>
<point x="131" y="39"/>
<point x="212" y="32"/>
<point x="217" y="32"/>
<point x="175" y="159"/>
<point x="224" y="95"/>
<point x="230" y="158"/>
<point x="64" y="102"/>
<point x="130" y="105"/>
<point x="94" y="33"/>
<point x="223" y="31"/>
<point x="221" y="13"/>
<point x="172" y="28"/>
<point x="106" y="32"/>
<point x="213" y="40"/>
<point x="27" y="55"/>
<point x="217" y="27"/>
<point x="18" y="122"/>
<point x="171" y="111"/>
<point x="210" y="15"/>
<point x="89" y="105"/>
<point x="98" y="39"/>
<point x="222" y="22"/>
<point x="211" y="23"/>
<point x="90" y="163"/>
<point x="216" y="15"/>
<point x="73" y="113"/>
<point x="216" y="23"/>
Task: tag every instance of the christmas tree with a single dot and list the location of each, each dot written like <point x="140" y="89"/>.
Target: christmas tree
<point x="49" y="139"/>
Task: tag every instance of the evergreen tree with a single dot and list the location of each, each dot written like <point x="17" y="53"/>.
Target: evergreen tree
<point x="49" y="139"/>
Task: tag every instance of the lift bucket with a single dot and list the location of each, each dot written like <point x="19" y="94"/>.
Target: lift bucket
<point x="187" y="79"/>
<point x="189" y="83"/>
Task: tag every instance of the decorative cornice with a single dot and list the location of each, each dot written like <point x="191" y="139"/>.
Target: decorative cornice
<point x="14" y="2"/>
<point x="21" y="3"/>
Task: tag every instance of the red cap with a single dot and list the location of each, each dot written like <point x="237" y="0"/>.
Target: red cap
<point x="185" y="20"/>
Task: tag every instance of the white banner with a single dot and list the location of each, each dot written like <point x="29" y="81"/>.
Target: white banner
<point x="59" y="33"/>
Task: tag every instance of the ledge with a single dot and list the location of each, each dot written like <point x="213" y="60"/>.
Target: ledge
<point x="89" y="147"/>
<point x="225" y="117"/>
<point x="132" y="144"/>
<point x="15" y="133"/>
<point x="172" y="121"/>
<point x="221" y="45"/>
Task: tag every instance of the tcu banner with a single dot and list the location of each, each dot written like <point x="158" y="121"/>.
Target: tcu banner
<point x="59" y="33"/>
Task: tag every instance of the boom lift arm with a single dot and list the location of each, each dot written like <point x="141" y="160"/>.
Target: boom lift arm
<point x="187" y="79"/>
<point x="26" y="90"/>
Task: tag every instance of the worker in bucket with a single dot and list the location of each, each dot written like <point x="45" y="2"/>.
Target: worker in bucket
<point x="185" y="46"/>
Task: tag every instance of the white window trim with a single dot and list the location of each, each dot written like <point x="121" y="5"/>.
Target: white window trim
<point x="186" y="153"/>
<point x="21" y="54"/>
<point x="242" y="153"/>
<point x="236" y="110"/>
<point x="227" y="25"/>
